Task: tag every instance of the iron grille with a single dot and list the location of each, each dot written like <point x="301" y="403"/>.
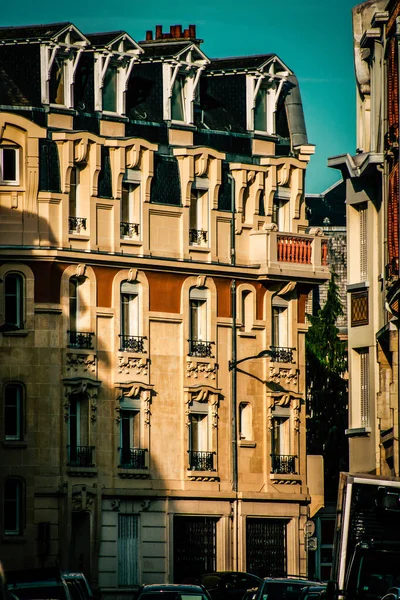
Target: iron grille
<point x="80" y="339"/>
<point x="266" y="547"/>
<point x="197" y="236"/>
<point x="133" y="343"/>
<point x="80" y="456"/>
<point x="359" y="308"/>
<point x="283" y="464"/>
<point x="200" y="348"/>
<point x="132" y="458"/>
<point x="283" y="355"/>
<point x="76" y="224"/>
<point x="201" y="461"/>
<point x="128" y="550"/>
<point x="129" y="229"/>
<point x="195" y="546"/>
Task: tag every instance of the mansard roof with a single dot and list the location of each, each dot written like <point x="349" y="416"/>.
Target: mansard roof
<point x="168" y="49"/>
<point x="244" y="63"/>
<point x="107" y="39"/>
<point x="50" y="31"/>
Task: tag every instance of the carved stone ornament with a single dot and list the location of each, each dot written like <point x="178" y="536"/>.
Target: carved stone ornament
<point x="270" y="227"/>
<point x="195" y="368"/>
<point x="131" y="365"/>
<point x="286" y="376"/>
<point x="205" y="394"/>
<point x="80" y="270"/>
<point x="83" y="499"/>
<point x="286" y="400"/>
<point x="201" y="281"/>
<point x="81" y="385"/>
<point x="201" y="164"/>
<point x="81" y="362"/>
<point x="283" y="174"/>
<point x="133" y="275"/>
<point x="138" y="390"/>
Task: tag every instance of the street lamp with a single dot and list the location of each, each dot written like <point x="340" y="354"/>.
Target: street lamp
<point x="234" y="363"/>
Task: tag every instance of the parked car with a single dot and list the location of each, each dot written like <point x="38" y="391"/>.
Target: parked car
<point x="226" y="585"/>
<point x="285" y="588"/>
<point x="392" y="594"/>
<point x="78" y="582"/>
<point x="313" y="592"/>
<point x="172" y="592"/>
<point x="38" y="584"/>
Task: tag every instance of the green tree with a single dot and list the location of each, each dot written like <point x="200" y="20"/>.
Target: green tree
<point x="327" y="390"/>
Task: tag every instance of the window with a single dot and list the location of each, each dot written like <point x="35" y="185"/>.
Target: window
<point x="80" y="453"/>
<point x="260" y="110"/>
<point x="178" y="98"/>
<point x="130" y="337"/>
<point x="198" y="323"/>
<point x="73" y="304"/>
<point x="363" y="243"/>
<point x="132" y="455"/>
<point x="9" y="171"/>
<point x="247" y="310"/>
<point x="13" y="291"/>
<point x="279" y="326"/>
<point x="128" y="550"/>
<point x="198" y="218"/>
<point x="364" y="387"/>
<point x="13" y="497"/>
<point x="76" y="222"/>
<point x="57" y="81"/>
<point x="200" y="456"/>
<point x="281" y="460"/>
<point x="110" y="89"/>
<point x="13" y="408"/>
<point x="245" y="421"/>
<point x="279" y="214"/>
<point x="130" y="210"/>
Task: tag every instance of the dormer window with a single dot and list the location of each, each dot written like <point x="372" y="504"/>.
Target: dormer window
<point x="57" y="82"/>
<point x="178" y="99"/>
<point x="261" y="112"/>
<point x="110" y="89"/>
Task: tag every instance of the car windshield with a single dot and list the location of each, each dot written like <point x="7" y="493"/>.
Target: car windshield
<point x="279" y="590"/>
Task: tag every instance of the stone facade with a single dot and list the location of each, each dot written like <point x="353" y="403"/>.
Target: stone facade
<point x="128" y="286"/>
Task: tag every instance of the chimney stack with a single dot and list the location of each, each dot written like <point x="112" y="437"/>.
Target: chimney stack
<point x="176" y="32"/>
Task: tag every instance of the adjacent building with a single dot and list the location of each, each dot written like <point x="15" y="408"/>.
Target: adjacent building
<point x="372" y="197"/>
<point x="153" y="236"/>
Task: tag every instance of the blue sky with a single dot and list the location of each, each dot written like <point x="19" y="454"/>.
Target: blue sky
<point x="313" y="37"/>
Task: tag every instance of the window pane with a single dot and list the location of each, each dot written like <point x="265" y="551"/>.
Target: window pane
<point x="73" y="192"/>
<point x="9" y="164"/>
<point x="125" y="216"/>
<point x="110" y="90"/>
<point x="12" y="499"/>
<point x="12" y="412"/>
<point x="198" y="433"/>
<point x="177" y="99"/>
<point x="73" y="304"/>
<point x="13" y="300"/>
<point x="260" y="111"/>
<point x="57" y="81"/>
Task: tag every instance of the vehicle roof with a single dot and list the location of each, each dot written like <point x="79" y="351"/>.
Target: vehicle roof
<point x="172" y="587"/>
<point x="302" y="582"/>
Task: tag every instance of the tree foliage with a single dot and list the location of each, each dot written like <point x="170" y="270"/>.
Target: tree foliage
<point x="326" y="360"/>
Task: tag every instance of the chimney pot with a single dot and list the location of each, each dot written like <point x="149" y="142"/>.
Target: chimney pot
<point x="149" y="35"/>
<point x="178" y="31"/>
<point x="158" y="32"/>
<point x="186" y="33"/>
<point x="192" y="31"/>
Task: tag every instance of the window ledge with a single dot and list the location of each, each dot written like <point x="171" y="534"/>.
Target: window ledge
<point x="133" y="473"/>
<point x="247" y="444"/>
<point x="79" y="236"/>
<point x="354" y="287"/>
<point x="199" y="248"/>
<point x="16" y="333"/>
<point x="285" y="478"/>
<point x="246" y="334"/>
<point x="182" y="125"/>
<point x="358" y="432"/>
<point x="82" y="471"/>
<point x="202" y="475"/>
<point x="131" y="242"/>
<point x="14" y="444"/>
<point x="14" y="539"/>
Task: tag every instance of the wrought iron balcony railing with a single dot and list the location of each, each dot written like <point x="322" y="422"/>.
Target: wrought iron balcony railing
<point x="283" y="355"/>
<point x="80" y="456"/>
<point x="132" y="343"/>
<point x="201" y="461"/>
<point x="283" y="464"/>
<point x="294" y="249"/>
<point x="76" y="224"/>
<point x="197" y="236"/>
<point x="80" y="339"/>
<point x="200" y="348"/>
<point x="129" y="230"/>
<point x="132" y="458"/>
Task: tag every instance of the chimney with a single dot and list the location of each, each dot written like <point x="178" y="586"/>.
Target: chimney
<point x="149" y="35"/>
<point x="176" y="32"/>
<point x="159" y="33"/>
<point x="192" y="32"/>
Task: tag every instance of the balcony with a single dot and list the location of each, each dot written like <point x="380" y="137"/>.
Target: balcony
<point x="293" y="249"/>
<point x="201" y="461"/>
<point x="76" y="224"/>
<point x="283" y="464"/>
<point x="80" y="340"/>
<point x="80" y="456"/>
<point x="129" y="230"/>
<point x="197" y="237"/>
<point x="200" y="348"/>
<point x="282" y="355"/>
<point x="132" y="458"/>
<point x="132" y="343"/>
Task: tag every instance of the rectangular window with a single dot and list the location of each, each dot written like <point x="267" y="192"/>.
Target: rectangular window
<point x="281" y="436"/>
<point x="198" y="218"/>
<point x="110" y="89"/>
<point x="12" y="507"/>
<point x="13" y="412"/>
<point x="74" y="193"/>
<point x="195" y="546"/>
<point x="364" y="387"/>
<point x="199" y="432"/>
<point x="130" y="429"/>
<point x="363" y="243"/>
<point x="13" y="292"/>
<point x="266" y="543"/>
<point x="130" y="210"/>
<point x="279" y="327"/>
<point x="130" y="314"/>
<point x="260" y="110"/>
<point x="178" y="99"/>
<point x="80" y="453"/>
<point x="9" y="172"/>
<point x="73" y="304"/>
<point x="128" y="550"/>
<point x="198" y="319"/>
<point x="57" y="81"/>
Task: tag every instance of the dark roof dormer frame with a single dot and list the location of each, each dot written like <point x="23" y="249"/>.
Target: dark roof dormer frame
<point x="64" y="46"/>
<point x="117" y="50"/>
<point x="183" y="58"/>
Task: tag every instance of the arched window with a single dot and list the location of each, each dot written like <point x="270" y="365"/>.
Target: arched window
<point x="247" y="310"/>
<point x="245" y="421"/>
<point x="130" y="336"/>
<point x="14" y="300"/>
<point x="80" y="453"/>
<point x="13" y="506"/>
<point x="280" y="322"/>
<point x="13" y="411"/>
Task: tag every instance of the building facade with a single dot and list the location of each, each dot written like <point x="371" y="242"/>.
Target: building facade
<point x="153" y="235"/>
<point x="372" y="197"/>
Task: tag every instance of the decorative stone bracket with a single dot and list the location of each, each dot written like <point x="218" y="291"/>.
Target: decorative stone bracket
<point x="194" y="368"/>
<point x="83" y="498"/>
<point x="131" y="364"/>
<point x="135" y="389"/>
<point x="281" y="375"/>
<point x="288" y="400"/>
<point x="204" y="394"/>
<point x="81" y="362"/>
<point x="81" y="385"/>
